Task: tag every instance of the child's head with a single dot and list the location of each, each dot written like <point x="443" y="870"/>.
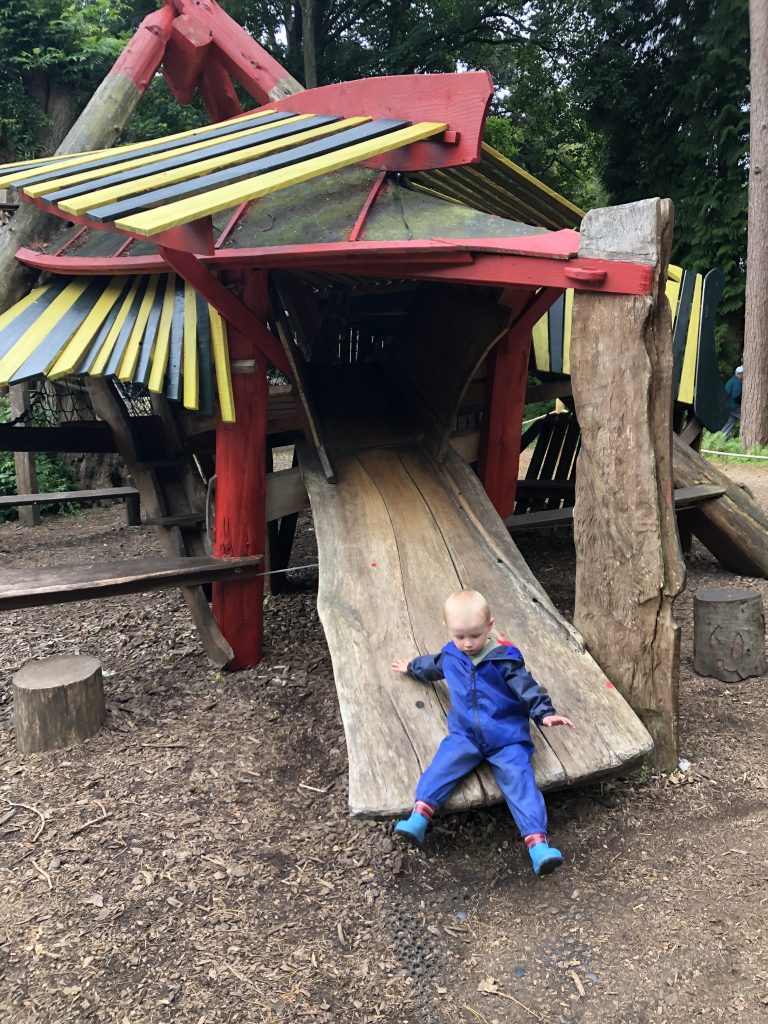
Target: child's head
<point x="468" y="619"/>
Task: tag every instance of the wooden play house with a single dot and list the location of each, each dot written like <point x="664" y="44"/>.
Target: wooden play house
<point x="362" y="242"/>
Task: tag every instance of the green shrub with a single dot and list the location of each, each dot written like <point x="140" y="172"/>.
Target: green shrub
<point x="731" y="450"/>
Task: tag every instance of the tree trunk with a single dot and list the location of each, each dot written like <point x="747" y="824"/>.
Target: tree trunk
<point x="628" y="563"/>
<point x="728" y="633"/>
<point x="754" y="426"/>
<point x="24" y="462"/>
<point x="309" y="24"/>
<point x="57" y="702"/>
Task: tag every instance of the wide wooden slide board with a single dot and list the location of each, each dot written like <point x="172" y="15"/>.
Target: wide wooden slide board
<point x="396" y="534"/>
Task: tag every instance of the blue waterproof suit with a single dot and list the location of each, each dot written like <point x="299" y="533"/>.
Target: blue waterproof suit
<point x="491" y="704"/>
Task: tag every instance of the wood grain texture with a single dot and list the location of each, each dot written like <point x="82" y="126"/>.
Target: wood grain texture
<point x="395" y="536"/>
<point x="629" y="567"/>
<point x="57" y="702"/>
<point x="30" y="588"/>
<point x="734" y="527"/>
<point x="728" y="633"/>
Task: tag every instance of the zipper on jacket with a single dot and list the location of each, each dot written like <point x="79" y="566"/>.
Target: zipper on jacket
<point x="475" y="704"/>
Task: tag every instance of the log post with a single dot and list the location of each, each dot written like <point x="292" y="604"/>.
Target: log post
<point x="728" y="633"/>
<point x="24" y="462"/>
<point x="241" y="486"/>
<point x="57" y="702"/>
<point x="628" y="562"/>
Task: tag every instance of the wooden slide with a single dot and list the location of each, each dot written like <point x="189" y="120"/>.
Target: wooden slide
<point x="396" y="534"/>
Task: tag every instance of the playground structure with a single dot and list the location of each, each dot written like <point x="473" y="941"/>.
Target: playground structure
<point x="359" y="239"/>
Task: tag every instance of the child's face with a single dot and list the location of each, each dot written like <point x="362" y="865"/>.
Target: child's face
<point x="469" y="630"/>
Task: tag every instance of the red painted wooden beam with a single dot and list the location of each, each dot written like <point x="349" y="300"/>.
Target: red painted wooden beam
<point x="241" y="486"/>
<point x="359" y="226"/>
<point x="185" y="55"/>
<point x="487" y="261"/>
<point x="142" y="55"/>
<point x="239" y="53"/>
<point x="460" y="100"/>
<point x="506" y="381"/>
<point x="218" y="92"/>
<point x="236" y="313"/>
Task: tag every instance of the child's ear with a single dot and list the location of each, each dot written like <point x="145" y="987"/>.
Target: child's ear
<point x="490" y="623"/>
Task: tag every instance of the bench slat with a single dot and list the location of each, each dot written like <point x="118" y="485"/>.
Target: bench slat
<point x="32" y="587"/>
<point x="104" y="494"/>
<point x="685" y="497"/>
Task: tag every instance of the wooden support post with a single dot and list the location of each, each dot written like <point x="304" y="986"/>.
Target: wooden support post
<point x="241" y="485"/>
<point x="506" y="382"/>
<point x="26" y="469"/>
<point x="628" y="563"/>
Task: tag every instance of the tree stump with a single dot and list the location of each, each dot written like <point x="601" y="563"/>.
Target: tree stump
<point x="57" y="702"/>
<point x="728" y="633"/>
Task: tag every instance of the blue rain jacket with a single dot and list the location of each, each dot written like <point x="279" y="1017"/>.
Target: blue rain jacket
<point x="491" y="702"/>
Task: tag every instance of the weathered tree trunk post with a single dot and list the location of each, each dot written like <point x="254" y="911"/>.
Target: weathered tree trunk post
<point x="628" y="562"/>
<point x="98" y="126"/>
<point x="26" y="468"/>
<point x="754" y="424"/>
<point x="728" y="633"/>
<point x="241" y="487"/>
<point x="57" y="702"/>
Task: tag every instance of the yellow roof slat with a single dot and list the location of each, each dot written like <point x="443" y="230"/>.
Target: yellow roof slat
<point x="130" y="358"/>
<point x="150" y="222"/>
<point x="221" y="366"/>
<point x="163" y="343"/>
<point x="81" y="204"/>
<point x="100" y="360"/>
<point x="189" y="362"/>
<point x="55" y="184"/>
<point x="72" y="354"/>
<point x="39" y="330"/>
<point x="67" y="160"/>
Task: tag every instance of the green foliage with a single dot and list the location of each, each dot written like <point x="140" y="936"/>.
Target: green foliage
<point x="53" y="54"/>
<point x="667" y="86"/>
<point x="731" y="449"/>
<point x="53" y="473"/>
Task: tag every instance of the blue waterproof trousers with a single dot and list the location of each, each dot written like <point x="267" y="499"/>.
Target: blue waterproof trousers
<point x="458" y="754"/>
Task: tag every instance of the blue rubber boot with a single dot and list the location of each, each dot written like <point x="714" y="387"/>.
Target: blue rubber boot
<point x="412" y="830"/>
<point x="545" y="858"/>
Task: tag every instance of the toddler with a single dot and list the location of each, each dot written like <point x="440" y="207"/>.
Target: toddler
<point x="493" y="696"/>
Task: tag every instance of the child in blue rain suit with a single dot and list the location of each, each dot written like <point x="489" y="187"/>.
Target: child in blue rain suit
<point x="493" y="696"/>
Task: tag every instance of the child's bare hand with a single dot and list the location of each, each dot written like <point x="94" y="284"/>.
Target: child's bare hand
<point x="550" y="720"/>
<point x="401" y="665"/>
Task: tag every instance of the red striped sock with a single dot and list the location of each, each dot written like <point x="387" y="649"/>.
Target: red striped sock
<point x="534" y="838"/>
<point x="424" y="809"/>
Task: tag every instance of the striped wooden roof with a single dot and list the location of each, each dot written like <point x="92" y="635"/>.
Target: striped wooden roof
<point x="149" y="187"/>
<point x="153" y="330"/>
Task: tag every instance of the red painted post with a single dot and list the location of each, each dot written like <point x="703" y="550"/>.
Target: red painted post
<point x="506" y="381"/>
<point x="241" y="486"/>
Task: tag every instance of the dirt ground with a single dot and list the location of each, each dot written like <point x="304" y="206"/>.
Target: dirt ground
<point x="194" y="862"/>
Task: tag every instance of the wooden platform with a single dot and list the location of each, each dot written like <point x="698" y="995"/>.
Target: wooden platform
<point x="29" y="588"/>
<point x="395" y="535"/>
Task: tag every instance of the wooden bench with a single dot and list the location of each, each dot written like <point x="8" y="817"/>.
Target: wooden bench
<point x="685" y="498"/>
<point x="33" y="587"/>
<point x="129" y="495"/>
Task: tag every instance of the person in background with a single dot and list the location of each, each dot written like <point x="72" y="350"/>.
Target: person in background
<point x="733" y="391"/>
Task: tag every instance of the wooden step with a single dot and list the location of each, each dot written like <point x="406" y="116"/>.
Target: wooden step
<point x="182" y="520"/>
<point x="32" y="587"/>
